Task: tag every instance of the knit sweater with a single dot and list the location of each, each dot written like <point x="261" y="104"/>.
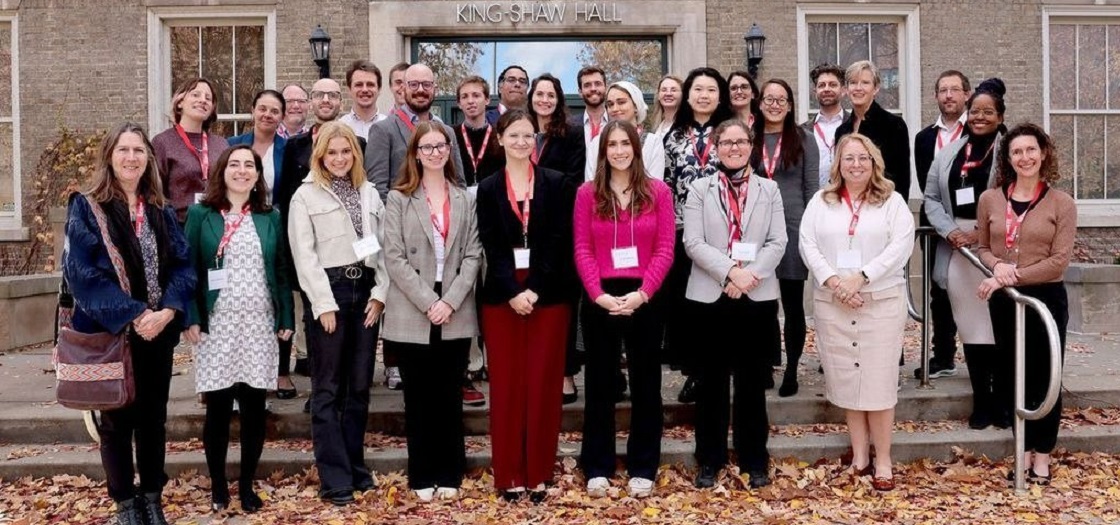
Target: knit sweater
<point x="1045" y="237"/>
<point x="179" y="168"/>
<point x="653" y="233"/>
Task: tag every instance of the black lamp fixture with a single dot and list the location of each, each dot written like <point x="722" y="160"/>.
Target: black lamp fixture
<point x="321" y="50"/>
<point x="755" y="43"/>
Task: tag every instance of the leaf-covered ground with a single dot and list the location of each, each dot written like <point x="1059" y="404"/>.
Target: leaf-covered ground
<point x="968" y="490"/>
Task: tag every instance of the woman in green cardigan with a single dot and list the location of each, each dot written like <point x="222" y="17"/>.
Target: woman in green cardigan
<point x="242" y="306"/>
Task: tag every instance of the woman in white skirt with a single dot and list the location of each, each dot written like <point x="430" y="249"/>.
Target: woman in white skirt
<point x="856" y="237"/>
<point x="959" y="174"/>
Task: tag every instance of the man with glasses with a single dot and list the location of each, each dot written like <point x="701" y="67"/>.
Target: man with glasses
<point x="513" y="85"/>
<point x="364" y="81"/>
<point x="828" y="88"/>
<point x="295" y="113"/>
<point x="951" y="91"/>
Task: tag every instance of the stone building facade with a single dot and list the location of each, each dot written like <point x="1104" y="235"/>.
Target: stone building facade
<point x="88" y="64"/>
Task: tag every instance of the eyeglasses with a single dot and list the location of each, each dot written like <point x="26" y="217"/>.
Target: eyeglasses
<point x="429" y="149"/>
<point x="771" y="101"/>
<point x="333" y="95"/>
<point x="427" y="85"/>
<point x="516" y="81"/>
<point x="295" y="100"/>
<point x="741" y="88"/>
<point x="950" y="90"/>
<point x="728" y="144"/>
<point x="985" y="112"/>
<point x="854" y="159"/>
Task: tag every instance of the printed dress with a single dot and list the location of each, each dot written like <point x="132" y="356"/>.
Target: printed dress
<point x="241" y="346"/>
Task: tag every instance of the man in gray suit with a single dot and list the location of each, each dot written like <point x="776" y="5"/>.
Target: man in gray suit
<point x="388" y="139"/>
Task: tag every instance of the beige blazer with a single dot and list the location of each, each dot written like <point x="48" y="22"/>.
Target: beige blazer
<point x="322" y="236"/>
<point x="411" y="261"/>
<point x="706" y="235"/>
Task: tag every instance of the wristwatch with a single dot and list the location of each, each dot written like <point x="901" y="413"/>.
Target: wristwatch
<point x="866" y="279"/>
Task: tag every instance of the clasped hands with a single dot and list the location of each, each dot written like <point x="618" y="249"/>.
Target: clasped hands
<point x="961" y="239"/>
<point x="740" y="281"/>
<point x="523" y="302"/>
<point x="846" y="289"/>
<point x="1003" y="274"/>
<point x="149" y="324"/>
<point x="622" y="305"/>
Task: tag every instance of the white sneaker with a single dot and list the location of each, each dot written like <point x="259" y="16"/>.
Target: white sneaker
<point x="425" y="494"/>
<point x="393" y="378"/>
<point x="640" y="487"/>
<point x="597" y="487"/>
<point x="447" y="493"/>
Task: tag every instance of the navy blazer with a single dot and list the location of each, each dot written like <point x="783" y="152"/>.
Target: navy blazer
<point x="100" y="304"/>
<point x="278" y="145"/>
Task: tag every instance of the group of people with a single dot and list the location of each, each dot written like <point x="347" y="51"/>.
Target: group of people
<point x="654" y="233"/>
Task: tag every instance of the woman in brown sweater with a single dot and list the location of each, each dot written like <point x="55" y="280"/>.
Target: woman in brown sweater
<point x="1026" y="232"/>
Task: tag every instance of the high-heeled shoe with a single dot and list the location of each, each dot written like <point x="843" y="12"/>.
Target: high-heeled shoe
<point x="1039" y="479"/>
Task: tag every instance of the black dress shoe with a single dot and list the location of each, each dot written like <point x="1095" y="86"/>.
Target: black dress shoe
<point x="286" y="393"/>
<point x="688" y="391"/>
<point x="130" y="512"/>
<point x="513" y="496"/>
<point x="1002" y="419"/>
<point x="979" y="420"/>
<point x="339" y="498"/>
<point x="251" y="502"/>
<point x="572" y="397"/>
<point x="537" y="496"/>
<point x="706" y="477"/>
<point x="153" y="509"/>
<point x="789" y="385"/>
<point x="759" y="479"/>
<point x="302" y="367"/>
<point x="219" y="496"/>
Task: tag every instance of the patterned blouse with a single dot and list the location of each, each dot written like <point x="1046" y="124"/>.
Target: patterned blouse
<point x="351" y="200"/>
<point x="149" y="250"/>
<point x="682" y="162"/>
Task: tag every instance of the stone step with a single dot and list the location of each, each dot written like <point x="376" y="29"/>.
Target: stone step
<point x="937" y="445"/>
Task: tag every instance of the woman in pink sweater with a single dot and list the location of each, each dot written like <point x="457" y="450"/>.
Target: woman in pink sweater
<point x="624" y="230"/>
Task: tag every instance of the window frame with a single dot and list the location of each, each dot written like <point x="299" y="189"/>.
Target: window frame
<point x="1090" y="212"/>
<point x="11" y="225"/>
<point x="160" y="22"/>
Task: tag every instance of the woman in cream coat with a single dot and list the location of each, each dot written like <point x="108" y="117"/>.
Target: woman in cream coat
<point x="334" y="225"/>
<point x="856" y="236"/>
<point x="433" y="256"/>
<point x="735" y="234"/>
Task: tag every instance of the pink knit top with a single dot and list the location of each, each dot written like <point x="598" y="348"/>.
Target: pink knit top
<point x="654" y="231"/>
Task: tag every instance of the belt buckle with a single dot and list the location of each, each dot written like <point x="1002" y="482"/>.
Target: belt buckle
<point x="353" y="272"/>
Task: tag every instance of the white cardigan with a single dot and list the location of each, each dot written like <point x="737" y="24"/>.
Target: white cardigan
<point x="884" y="237"/>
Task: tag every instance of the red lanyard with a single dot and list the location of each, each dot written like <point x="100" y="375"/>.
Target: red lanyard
<point x="700" y="155"/>
<point x="969" y="164"/>
<point x="954" y="136"/>
<point x="475" y="161"/>
<point x="854" y="209"/>
<point x="735" y="208"/>
<point x="771" y="164"/>
<point x="231" y="228"/>
<point x="139" y="218"/>
<point x="203" y="156"/>
<point x="522" y="213"/>
<point x="1013" y="222"/>
<point x="820" y="133"/>
<point x="407" y="121"/>
<point x="538" y="151"/>
<point x="444" y="227"/>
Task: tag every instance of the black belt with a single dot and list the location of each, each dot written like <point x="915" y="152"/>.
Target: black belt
<point x="353" y="272"/>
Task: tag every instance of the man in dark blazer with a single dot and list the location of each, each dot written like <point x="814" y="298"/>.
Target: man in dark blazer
<point x="388" y="139"/>
<point x="513" y="85"/>
<point x="951" y="90"/>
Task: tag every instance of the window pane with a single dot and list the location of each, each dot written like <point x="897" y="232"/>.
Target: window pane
<point x="884" y="53"/>
<point x="7" y="181"/>
<point x="638" y="61"/>
<point x="217" y="64"/>
<point x="1062" y="68"/>
<point x="1090" y="157"/>
<point x="1114" y="68"/>
<point x="250" y="66"/>
<point x="5" y="70"/>
<point x="225" y="128"/>
<point x="453" y="61"/>
<point x="184" y="56"/>
<point x="1090" y="74"/>
<point x="853" y="43"/>
<point x="1113" y="176"/>
<point x="1061" y="130"/>
<point x="822" y="50"/>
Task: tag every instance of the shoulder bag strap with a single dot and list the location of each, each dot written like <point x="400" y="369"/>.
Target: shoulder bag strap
<point x="114" y="254"/>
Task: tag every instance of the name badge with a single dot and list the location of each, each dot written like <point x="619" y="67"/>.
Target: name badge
<point x="198" y="197"/>
<point x="965" y="196"/>
<point x="849" y="260"/>
<point x="521" y="258"/>
<point x="744" y="251"/>
<point x="625" y="257"/>
<point x="217" y="278"/>
<point x="367" y="246"/>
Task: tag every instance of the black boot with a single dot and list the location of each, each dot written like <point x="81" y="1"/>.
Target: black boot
<point x="979" y="359"/>
<point x="789" y="382"/>
<point x="250" y="501"/>
<point x="153" y="509"/>
<point x="129" y="512"/>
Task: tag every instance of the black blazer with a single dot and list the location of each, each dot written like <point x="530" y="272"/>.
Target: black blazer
<point x="888" y="131"/>
<point x="551" y="266"/>
<point x="925" y="148"/>
<point x="566" y="155"/>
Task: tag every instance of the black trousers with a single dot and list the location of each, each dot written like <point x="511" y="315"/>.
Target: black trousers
<point x="678" y="348"/>
<point x="215" y="433"/>
<point x="341" y="376"/>
<point x="1041" y="435"/>
<point x="143" y="421"/>
<point x="793" y="304"/>
<point x="573" y="360"/>
<point x="604" y="335"/>
<point x="981" y="361"/>
<point x="720" y="361"/>
<point x="943" y="347"/>
<point x="433" y="409"/>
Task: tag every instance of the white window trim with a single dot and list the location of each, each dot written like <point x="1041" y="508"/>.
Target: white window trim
<point x="11" y="226"/>
<point x="159" y="49"/>
<point x="1090" y="212"/>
